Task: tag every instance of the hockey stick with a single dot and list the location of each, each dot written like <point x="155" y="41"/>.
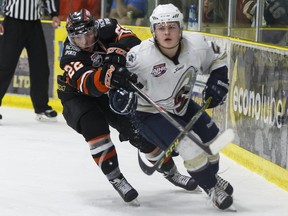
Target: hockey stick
<point x="149" y="170"/>
<point x="222" y="140"/>
<point x="213" y="148"/>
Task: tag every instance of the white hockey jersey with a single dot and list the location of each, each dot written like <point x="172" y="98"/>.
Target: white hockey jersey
<point x="171" y="85"/>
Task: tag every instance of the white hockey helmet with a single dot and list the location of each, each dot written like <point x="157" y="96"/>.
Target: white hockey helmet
<point x="165" y="13"/>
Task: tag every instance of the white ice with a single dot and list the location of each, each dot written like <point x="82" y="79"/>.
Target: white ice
<point x="46" y="169"/>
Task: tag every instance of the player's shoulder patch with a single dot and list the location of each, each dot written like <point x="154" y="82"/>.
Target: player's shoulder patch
<point x="131" y="57"/>
<point x="104" y="22"/>
<point x="70" y="50"/>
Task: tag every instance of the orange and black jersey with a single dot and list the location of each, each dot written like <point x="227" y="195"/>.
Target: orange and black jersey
<point x="82" y="69"/>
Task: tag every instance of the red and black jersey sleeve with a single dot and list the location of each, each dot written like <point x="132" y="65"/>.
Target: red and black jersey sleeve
<point x="79" y="72"/>
<point x="85" y="79"/>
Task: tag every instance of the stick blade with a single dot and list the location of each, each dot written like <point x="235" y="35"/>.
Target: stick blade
<point x="148" y="170"/>
<point x="222" y="140"/>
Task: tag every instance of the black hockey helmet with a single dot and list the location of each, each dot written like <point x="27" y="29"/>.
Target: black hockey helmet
<point x="80" y="23"/>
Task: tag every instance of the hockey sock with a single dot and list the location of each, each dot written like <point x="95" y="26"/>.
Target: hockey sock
<point x="214" y="163"/>
<point x="104" y="154"/>
<point x="204" y="178"/>
<point x="168" y="165"/>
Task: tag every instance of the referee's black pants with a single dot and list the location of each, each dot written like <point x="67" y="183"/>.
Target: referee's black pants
<point x="19" y="34"/>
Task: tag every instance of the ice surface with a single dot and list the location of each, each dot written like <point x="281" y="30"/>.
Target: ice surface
<point x="46" y="169"/>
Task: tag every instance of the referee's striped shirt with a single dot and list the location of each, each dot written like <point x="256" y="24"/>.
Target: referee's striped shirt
<point x="28" y="9"/>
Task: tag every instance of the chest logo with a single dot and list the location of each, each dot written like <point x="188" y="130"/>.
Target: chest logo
<point x="159" y="70"/>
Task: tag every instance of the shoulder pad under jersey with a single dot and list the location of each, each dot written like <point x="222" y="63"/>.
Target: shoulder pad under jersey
<point x="106" y="22"/>
<point x="107" y="28"/>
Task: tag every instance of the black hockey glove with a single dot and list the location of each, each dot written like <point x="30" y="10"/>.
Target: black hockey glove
<point x="114" y="76"/>
<point x="116" y="54"/>
<point x="122" y="102"/>
<point x="217" y="87"/>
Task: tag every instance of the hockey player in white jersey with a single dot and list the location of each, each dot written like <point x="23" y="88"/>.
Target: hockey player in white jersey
<point x="167" y="65"/>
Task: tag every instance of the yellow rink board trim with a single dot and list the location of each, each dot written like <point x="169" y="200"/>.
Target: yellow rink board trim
<point x="21" y="101"/>
<point x="270" y="171"/>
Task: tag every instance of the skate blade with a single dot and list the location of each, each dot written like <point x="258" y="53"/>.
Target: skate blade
<point x="196" y="190"/>
<point x="231" y="209"/>
<point x="133" y="203"/>
<point x="43" y="118"/>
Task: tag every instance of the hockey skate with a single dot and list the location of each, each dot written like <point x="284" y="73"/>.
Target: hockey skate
<point x="185" y="182"/>
<point x="47" y="116"/>
<point x="225" y="185"/>
<point x="220" y="198"/>
<point x="126" y="191"/>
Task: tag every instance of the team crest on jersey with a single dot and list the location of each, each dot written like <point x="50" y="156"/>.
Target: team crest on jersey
<point x="159" y="70"/>
<point x="96" y="60"/>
